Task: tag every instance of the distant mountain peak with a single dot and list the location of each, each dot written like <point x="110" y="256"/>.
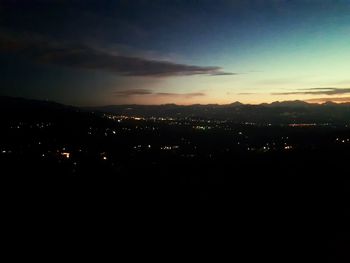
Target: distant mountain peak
<point x="236" y="103"/>
<point x="329" y="103"/>
<point x="290" y="103"/>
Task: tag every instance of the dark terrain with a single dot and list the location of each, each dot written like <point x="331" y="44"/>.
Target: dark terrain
<point x="286" y="182"/>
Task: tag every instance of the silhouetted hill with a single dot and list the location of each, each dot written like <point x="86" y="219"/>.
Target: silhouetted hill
<point x="20" y="108"/>
<point x="21" y="103"/>
<point x="17" y="110"/>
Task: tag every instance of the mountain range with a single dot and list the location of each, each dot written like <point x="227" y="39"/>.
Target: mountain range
<point x="275" y="112"/>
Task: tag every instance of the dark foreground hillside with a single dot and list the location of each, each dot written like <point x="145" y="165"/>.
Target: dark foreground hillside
<point x="282" y="189"/>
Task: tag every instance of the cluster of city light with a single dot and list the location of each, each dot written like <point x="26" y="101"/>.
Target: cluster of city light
<point x="66" y="154"/>
<point x="40" y="125"/>
<point x="168" y="148"/>
<point x="342" y="140"/>
<point x="202" y="127"/>
<point x="301" y="124"/>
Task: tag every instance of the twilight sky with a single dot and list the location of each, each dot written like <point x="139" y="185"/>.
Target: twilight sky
<point x="172" y="51"/>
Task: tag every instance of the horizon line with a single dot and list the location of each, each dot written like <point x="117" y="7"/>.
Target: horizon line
<point x="200" y="104"/>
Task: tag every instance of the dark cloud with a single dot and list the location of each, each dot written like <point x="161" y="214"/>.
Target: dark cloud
<point x="143" y="92"/>
<point x="316" y="91"/>
<point x="132" y="92"/>
<point x="220" y="73"/>
<point x="246" y="93"/>
<point x="182" y="95"/>
<point x="84" y="57"/>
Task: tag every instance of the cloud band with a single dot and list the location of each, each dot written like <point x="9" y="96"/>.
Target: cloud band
<point x="84" y="57"/>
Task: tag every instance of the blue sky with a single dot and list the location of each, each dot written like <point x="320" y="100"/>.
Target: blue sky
<point x="155" y="52"/>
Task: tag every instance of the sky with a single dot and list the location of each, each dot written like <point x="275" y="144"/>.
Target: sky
<point x="103" y="52"/>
